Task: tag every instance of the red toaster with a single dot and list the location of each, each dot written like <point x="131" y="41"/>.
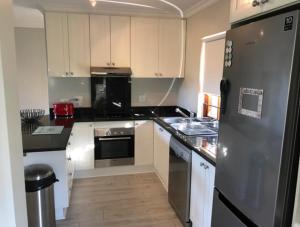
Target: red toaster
<point x="63" y="109"/>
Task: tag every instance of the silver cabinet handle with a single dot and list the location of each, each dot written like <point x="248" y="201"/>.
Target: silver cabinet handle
<point x="67" y="74"/>
<point x="255" y="3"/>
<point x="114" y="138"/>
<point x="202" y="164"/>
<point x="69" y="159"/>
<point x="69" y="143"/>
<point x="113" y="64"/>
<point x="206" y="167"/>
<point x="71" y="73"/>
<point x="160" y="129"/>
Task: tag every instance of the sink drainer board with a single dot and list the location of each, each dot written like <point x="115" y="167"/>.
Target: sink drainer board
<point x="48" y="130"/>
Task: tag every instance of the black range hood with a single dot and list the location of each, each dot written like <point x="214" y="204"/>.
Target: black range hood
<point x="111" y="71"/>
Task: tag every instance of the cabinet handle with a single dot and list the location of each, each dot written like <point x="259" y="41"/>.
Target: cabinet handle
<point x="69" y="143"/>
<point x="113" y="64"/>
<point x="69" y="159"/>
<point x="70" y="174"/>
<point x="160" y="129"/>
<point x="67" y="74"/>
<point x="72" y="134"/>
<point x="71" y="73"/>
<point x="160" y="74"/>
<point x="202" y="164"/>
<point x="255" y="3"/>
<point x="206" y="166"/>
<point x="108" y="63"/>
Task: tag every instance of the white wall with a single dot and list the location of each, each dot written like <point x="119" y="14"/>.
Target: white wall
<point x="12" y="189"/>
<point x="32" y="68"/>
<point x="206" y="22"/>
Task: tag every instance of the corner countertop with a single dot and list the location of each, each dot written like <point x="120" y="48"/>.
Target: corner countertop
<point x="205" y="146"/>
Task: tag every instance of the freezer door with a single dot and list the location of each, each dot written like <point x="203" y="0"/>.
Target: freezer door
<point x="223" y="216"/>
<point x="257" y="72"/>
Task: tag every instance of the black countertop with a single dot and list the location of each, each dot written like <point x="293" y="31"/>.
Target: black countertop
<point x="205" y="146"/>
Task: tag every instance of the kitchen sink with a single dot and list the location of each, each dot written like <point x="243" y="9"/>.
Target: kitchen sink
<point x="193" y="126"/>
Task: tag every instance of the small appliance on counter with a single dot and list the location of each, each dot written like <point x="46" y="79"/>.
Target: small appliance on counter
<point x="63" y="109"/>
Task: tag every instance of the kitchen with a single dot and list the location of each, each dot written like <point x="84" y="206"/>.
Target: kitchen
<point x="133" y="90"/>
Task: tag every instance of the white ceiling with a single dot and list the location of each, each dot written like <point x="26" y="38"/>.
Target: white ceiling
<point x="160" y="8"/>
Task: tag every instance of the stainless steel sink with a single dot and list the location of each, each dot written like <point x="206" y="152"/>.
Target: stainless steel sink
<point x="193" y="126"/>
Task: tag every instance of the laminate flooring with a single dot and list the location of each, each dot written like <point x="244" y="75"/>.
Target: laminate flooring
<point x="129" y="201"/>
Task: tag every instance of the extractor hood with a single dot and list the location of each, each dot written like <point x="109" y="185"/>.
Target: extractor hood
<point x="110" y="71"/>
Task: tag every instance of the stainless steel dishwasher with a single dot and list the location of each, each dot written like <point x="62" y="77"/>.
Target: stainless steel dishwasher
<point x="180" y="164"/>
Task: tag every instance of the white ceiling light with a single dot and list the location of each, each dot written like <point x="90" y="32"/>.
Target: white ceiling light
<point x="93" y="3"/>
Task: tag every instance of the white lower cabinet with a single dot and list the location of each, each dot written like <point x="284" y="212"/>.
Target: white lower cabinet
<point x="143" y="143"/>
<point x="161" y="153"/>
<point x="202" y="187"/>
<point x="81" y="146"/>
<point x="60" y="163"/>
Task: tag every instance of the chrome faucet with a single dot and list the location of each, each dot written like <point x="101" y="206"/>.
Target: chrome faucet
<point x="192" y="115"/>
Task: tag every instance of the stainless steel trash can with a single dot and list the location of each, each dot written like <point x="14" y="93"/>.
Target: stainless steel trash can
<point x="39" y="182"/>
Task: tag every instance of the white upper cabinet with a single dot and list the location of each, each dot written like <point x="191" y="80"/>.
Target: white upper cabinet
<point x="243" y="9"/>
<point x="272" y="4"/>
<point x="144" y="47"/>
<point x="120" y="41"/>
<point x="171" y="47"/>
<point x="57" y="44"/>
<point x="68" y="44"/>
<point x="79" y="45"/>
<point x="100" y="40"/>
<point x="110" y="41"/>
<point x="157" y="47"/>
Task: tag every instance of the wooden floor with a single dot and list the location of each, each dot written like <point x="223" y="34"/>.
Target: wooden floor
<point x="128" y="200"/>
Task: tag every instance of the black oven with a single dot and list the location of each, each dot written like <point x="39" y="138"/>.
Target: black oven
<point x="114" y="147"/>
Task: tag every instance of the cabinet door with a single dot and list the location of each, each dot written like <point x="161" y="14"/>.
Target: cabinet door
<point x="120" y="41"/>
<point x="144" y="47"/>
<point x="79" y="45"/>
<point x="82" y="146"/>
<point x="270" y="5"/>
<point x="100" y="40"/>
<point x="241" y="9"/>
<point x="161" y="153"/>
<point x="57" y="44"/>
<point x="210" y="180"/>
<point x="198" y="190"/>
<point x="143" y="143"/>
<point x="171" y="47"/>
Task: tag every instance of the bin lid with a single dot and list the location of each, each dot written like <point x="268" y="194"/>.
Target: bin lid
<point x="37" y="172"/>
<point x="38" y="176"/>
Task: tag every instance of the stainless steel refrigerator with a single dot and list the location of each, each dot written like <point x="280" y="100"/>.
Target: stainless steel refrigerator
<point x="258" y="151"/>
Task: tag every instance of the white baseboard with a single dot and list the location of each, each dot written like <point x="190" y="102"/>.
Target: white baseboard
<point x="113" y="171"/>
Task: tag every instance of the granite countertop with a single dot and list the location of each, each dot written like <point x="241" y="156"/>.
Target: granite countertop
<point x="40" y="143"/>
<point x="205" y="146"/>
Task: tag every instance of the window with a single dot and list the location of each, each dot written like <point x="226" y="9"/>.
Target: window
<point x="211" y="72"/>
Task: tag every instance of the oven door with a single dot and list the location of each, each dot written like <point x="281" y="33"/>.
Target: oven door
<point x="114" y="151"/>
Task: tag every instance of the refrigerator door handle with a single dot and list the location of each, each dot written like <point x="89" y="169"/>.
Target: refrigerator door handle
<point x="224" y="88"/>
